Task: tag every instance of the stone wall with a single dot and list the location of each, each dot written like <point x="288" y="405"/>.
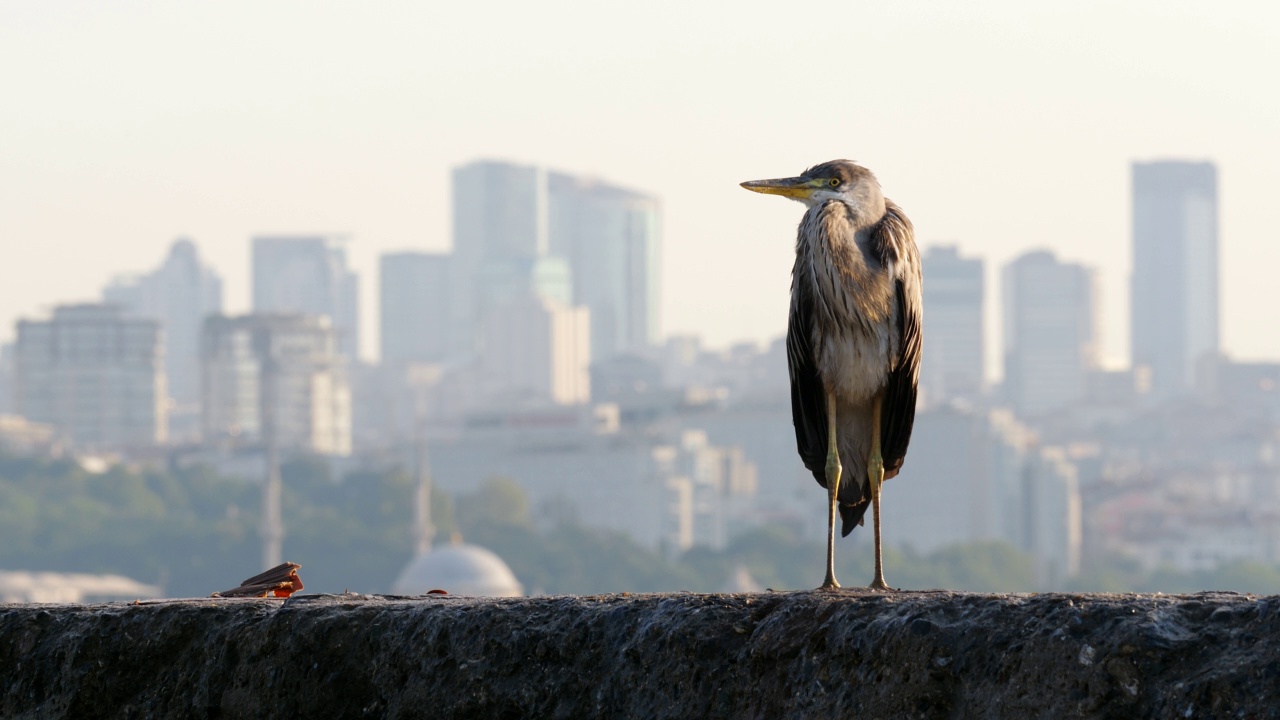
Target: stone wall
<point x="769" y="655"/>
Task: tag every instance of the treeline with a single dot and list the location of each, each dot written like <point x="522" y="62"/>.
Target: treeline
<point x="195" y="532"/>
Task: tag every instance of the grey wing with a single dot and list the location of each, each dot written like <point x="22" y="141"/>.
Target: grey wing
<point x="898" y="411"/>
<point x="808" y="399"/>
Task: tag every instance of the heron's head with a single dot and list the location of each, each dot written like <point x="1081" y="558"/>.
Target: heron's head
<point x="841" y="180"/>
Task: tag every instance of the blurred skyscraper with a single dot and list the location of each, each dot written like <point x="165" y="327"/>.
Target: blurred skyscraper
<point x="284" y="368"/>
<point x="308" y="274"/>
<point x="499" y="227"/>
<point x="611" y="237"/>
<point x="95" y="375"/>
<point x="415" y="304"/>
<point x="953" y="363"/>
<point x="1174" y="312"/>
<point x="1050" y="332"/>
<point x="180" y="294"/>
<point x="519" y="229"/>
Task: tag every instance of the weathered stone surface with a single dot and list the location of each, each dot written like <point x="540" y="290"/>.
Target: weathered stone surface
<point x="767" y="655"/>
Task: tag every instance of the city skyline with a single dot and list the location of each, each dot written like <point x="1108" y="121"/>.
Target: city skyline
<point x="329" y="249"/>
<point x="370" y="298"/>
<point x="999" y="127"/>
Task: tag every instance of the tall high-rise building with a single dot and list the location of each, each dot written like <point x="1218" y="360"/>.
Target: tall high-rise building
<point x="1050" y="332"/>
<point x="180" y="293"/>
<point x="1174" y="311"/>
<point x="499" y="224"/>
<point x="612" y="238"/>
<point x="414" y="289"/>
<point x="95" y="375"/>
<point x="281" y="368"/>
<point x="953" y="363"/>
<point x="308" y="274"/>
<point x="520" y="229"/>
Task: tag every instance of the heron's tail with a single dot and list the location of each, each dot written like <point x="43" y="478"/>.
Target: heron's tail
<point x="851" y="515"/>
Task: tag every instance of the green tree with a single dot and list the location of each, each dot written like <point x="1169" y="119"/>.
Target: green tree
<point x="498" y="501"/>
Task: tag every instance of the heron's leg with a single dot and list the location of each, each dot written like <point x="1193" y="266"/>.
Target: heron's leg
<point x="875" y="473"/>
<point x="833" y="487"/>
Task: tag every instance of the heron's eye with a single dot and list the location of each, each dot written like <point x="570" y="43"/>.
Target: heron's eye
<point x="835" y="182"/>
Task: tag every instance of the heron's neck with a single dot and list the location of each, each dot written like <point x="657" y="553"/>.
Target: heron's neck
<point x="867" y="208"/>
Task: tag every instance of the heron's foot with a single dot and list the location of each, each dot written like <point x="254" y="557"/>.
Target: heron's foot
<point x="879" y="585"/>
<point x="830" y="584"/>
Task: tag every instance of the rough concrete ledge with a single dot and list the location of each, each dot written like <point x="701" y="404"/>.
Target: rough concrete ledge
<point x="767" y="655"/>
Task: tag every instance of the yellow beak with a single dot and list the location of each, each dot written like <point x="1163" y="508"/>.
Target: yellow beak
<point x="794" y="187"/>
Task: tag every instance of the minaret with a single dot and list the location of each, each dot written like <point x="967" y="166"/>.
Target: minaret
<point x="422" y="528"/>
<point x="272" y="527"/>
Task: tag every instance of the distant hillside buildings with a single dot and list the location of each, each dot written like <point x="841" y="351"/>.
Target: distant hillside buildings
<point x="666" y="490"/>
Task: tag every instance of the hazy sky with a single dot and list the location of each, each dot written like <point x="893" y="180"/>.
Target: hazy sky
<point x="1000" y="125"/>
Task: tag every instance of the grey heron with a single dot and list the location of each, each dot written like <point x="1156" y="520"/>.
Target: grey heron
<point x="853" y="339"/>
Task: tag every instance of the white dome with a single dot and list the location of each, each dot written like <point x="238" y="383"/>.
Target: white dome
<point x="458" y="569"/>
